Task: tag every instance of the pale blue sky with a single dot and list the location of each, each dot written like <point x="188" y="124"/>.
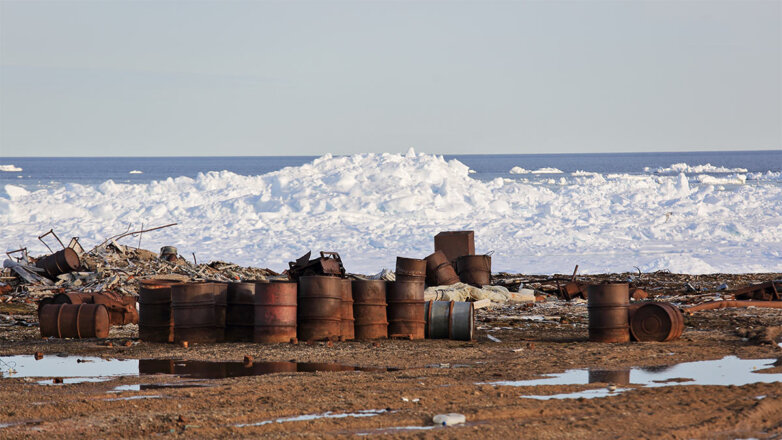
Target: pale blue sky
<point x="117" y="78"/>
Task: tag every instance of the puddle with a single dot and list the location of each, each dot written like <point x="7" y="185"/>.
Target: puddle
<point x="75" y="369"/>
<point x="588" y="394"/>
<point x="325" y="415"/>
<point x="115" y="399"/>
<point x="158" y="386"/>
<point x="729" y="370"/>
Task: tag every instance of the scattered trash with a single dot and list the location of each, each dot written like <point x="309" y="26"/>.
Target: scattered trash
<point x="768" y="291"/>
<point x="329" y="263"/>
<point x="168" y="253"/>
<point x="449" y="419"/>
<point x="493" y="339"/>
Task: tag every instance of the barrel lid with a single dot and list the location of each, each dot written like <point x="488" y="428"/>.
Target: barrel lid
<point x="101" y="315"/>
<point x="71" y="258"/>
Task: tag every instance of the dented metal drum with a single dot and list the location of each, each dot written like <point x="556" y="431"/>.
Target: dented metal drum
<point x="406" y="310"/>
<point x="155" y="323"/>
<point x="474" y="269"/>
<point x="58" y="263"/>
<point x="275" y="312"/>
<point x="450" y="320"/>
<point x="657" y="322"/>
<point x="74" y="321"/>
<point x="369" y="309"/>
<point x="319" y="307"/>
<point x="240" y="312"/>
<point x="410" y="269"/>
<point x="608" y="308"/>
<point x="440" y="271"/>
<point x="347" y="331"/>
<point x="195" y="312"/>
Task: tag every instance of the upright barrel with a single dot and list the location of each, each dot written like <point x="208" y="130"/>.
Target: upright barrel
<point x="607" y="306"/>
<point x="155" y="323"/>
<point x="240" y="312"/>
<point x="440" y="271"/>
<point x="194" y="312"/>
<point x="474" y="269"/>
<point x="410" y="269"/>
<point x="406" y="311"/>
<point x="450" y="320"/>
<point x="347" y="331"/>
<point x="221" y="306"/>
<point x="275" y="312"/>
<point x="657" y="322"/>
<point x="74" y="321"/>
<point x="319" y="307"/>
<point x="369" y="309"/>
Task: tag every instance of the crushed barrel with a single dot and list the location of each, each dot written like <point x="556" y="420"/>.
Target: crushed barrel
<point x="74" y="321"/>
<point x="319" y="307"/>
<point x="275" y="312"/>
<point x="440" y="271"/>
<point x="607" y="305"/>
<point x="406" y="310"/>
<point x="369" y="309"/>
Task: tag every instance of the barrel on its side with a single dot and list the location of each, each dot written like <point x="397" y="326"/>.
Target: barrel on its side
<point x="319" y="307"/>
<point x="122" y="309"/>
<point x="240" y="312"/>
<point x="450" y="320"/>
<point x="346" y="331"/>
<point x="607" y="306"/>
<point x="410" y="269"/>
<point x="194" y="312"/>
<point x="474" y="269"/>
<point x="74" y="321"/>
<point x="369" y="309"/>
<point x="657" y="322"/>
<point x="155" y="323"/>
<point x="275" y="312"/>
<point x="440" y="271"/>
<point x="58" y="263"/>
<point x="406" y="311"/>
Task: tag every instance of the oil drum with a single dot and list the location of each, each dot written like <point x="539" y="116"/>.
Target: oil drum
<point x="194" y="309"/>
<point x="607" y="305"/>
<point x="60" y="262"/>
<point x="657" y="322"/>
<point x="440" y="271"/>
<point x="240" y="311"/>
<point x="474" y="269"/>
<point x="155" y="323"/>
<point x="450" y="320"/>
<point x="369" y="309"/>
<point x="275" y="312"/>
<point x="406" y="311"/>
<point x="347" y="331"/>
<point x="74" y="321"/>
<point x="410" y="269"/>
<point x="319" y="307"/>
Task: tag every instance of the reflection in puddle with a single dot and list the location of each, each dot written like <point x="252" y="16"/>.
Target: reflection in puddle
<point x="326" y="415"/>
<point x="75" y="369"/>
<point x="729" y="370"/>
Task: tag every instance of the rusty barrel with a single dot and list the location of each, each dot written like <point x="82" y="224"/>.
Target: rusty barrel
<point x="607" y="306"/>
<point x="347" y="331"/>
<point x="275" y="312"/>
<point x="410" y="269"/>
<point x="656" y="321"/>
<point x="320" y="307"/>
<point x="474" y="269"/>
<point x="450" y="320"/>
<point x="406" y="311"/>
<point x="221" y="306"/>
<point x="440" y="271"/>
<point x="122" y="309"/>
<point x="194" y="307"/>
<point x="58" y="263"/>
<point x="240" y="312"/>
<point x="155" y="323"/>
<point x="369" y="309"/>
<point x="74" y="321"/>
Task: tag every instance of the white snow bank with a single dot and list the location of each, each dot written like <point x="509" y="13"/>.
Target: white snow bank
<point x="694" y="169"/>
<point x="733" y="179"/>
<point x="374" y="207"/>
<point x="519" y="170"/>
<point x="10" y="168"/>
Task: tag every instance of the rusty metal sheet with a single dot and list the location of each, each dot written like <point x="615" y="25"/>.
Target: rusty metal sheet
<point x="768" y="291"/>
<point x="454" y="244"/>
<point x="329" y="263"/>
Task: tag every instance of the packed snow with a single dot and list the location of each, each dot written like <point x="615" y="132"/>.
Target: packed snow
<point x="694" y="169"/>
<point x="10" y="168"/>
<point x="373" y="207"/>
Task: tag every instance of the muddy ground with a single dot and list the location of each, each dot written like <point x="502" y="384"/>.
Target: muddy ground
<point x="429" y="377"/>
